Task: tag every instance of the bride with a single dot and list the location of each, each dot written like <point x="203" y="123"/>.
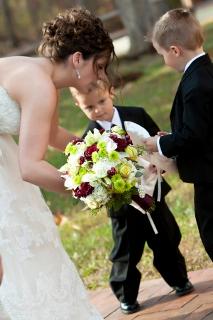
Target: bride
<point x="39" y="280"/>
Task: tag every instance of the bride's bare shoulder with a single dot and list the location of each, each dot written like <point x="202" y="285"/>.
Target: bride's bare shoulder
<point x="26" y="77"/>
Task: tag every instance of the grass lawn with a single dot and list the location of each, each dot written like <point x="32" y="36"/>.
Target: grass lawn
<point x="87" y="238"/>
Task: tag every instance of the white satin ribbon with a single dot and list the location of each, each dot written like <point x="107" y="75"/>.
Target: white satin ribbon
<point x="136" y="206"/>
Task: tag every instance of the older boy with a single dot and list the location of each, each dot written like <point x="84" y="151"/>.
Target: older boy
<point x="130" y="228"/>
<point x="177" y="36"/>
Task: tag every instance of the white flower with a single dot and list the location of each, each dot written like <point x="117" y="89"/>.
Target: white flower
<point x="111" y="145"/>
<point x="89" y="177"/>
<point x="98" y="198"/>
<point x="97" y="135"/>
<point x="69" y="182"/>
<point x="101" y="167"/>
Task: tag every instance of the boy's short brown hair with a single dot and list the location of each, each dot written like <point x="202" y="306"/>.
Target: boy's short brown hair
<point x="98" y="85"/>
<point x="178" y="27"/>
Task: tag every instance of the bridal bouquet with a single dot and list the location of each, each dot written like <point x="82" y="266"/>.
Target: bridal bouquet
<point x="102" y="169"/>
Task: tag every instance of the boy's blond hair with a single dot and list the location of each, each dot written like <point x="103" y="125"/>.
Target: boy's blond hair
<point x="99" y="85"/>
<point x="178" y="27"/>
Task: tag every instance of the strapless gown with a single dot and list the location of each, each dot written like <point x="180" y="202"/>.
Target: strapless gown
<point x="40" y="281"/>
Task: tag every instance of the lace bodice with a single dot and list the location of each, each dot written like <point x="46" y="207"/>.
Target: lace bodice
<point x="10" y="114"/>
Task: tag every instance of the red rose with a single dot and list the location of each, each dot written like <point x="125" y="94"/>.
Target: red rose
<point x="84" y="190"/>
<point x="101" y="130"/>
<point x="81" y="160"/>
<point x="121" y="142"/>
<point x="111" y="172"/>
<point x="88" y="152"/>
<point x="128" y="139"/>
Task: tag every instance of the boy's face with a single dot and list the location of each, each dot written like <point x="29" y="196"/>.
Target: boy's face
<point x="172" y="57"/>
<point x="97" y="105"/>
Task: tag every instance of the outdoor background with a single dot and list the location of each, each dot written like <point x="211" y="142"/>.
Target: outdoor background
<point x="145" y="82"/>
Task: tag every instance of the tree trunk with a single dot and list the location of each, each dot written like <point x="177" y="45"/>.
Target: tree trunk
<point x="33" y="9"/>
<point x="9" y="23"/>
<point x="158" y="8"/>
<point x="136" y="19"/>
<point x="139" y="16"/>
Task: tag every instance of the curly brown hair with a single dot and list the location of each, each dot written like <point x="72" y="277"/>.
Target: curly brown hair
<point x="75" y="29"/>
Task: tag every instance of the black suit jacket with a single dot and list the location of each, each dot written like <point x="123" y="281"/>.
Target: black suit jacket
<point x="139" y="116"/>
<point x="191" y="118"/>
<point x="134" y="114"/>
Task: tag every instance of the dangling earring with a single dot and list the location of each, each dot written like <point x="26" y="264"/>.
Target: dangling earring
<point x="78" y="73"/>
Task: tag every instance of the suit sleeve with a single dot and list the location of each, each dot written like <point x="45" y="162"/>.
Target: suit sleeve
<point x="193" y="133"/>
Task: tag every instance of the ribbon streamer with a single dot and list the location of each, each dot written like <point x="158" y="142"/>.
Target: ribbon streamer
<point x="136" y="206"/>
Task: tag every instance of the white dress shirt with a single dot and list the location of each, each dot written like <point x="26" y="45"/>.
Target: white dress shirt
<point x="106" y="125"/>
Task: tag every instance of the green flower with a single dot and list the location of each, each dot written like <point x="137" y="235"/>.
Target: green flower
<point x="82" y="171"/>
<point x="125" y="170"/>
<point x="118" y="183"/>
<point x="101" y="145"/>
<point x="102" y="153"/>
<point x="95" y="156"/>
<point x="70" y="149"/>
<point x="119" y="186"/>
<point x="90" y="139"/>
<point x="114" y="156"/>
<point x="132" y="152"/>
<point x="128" y="186"/>
<point x="118" y="130"/>
<point x="77" y="179"/>
<point x="116" y="177"/>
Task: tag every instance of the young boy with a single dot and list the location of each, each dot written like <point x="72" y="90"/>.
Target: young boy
<point x="130" y="228"/>
<point x="177" y="36"/>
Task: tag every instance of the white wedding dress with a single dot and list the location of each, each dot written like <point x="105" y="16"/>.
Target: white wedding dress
<point x="40" y="282"/>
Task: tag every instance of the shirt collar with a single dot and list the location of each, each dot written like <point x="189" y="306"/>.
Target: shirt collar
<point x="106" y="125"/>
<point x="190" y="61"/>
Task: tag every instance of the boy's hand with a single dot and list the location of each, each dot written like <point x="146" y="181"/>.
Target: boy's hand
<point x="162" y="133"/>
<point x="151" y="144"/>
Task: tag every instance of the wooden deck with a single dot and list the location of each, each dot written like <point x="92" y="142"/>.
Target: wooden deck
<point x="158" y="301"/>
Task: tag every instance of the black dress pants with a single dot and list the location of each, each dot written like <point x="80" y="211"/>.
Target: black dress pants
<point x="131" y="230"/>
<point x="203" y="198"/>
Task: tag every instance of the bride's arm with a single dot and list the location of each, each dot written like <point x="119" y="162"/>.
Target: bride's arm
<point x="38" y="108"/>
<point x="59" y="137"/>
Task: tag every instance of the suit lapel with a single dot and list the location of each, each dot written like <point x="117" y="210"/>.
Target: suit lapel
<point x="123" y="114"/>
<point x="93" y="125"/>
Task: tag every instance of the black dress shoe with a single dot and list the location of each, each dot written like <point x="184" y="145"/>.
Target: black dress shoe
<point x="128" y="308"/>
<point x="181" y="291"/>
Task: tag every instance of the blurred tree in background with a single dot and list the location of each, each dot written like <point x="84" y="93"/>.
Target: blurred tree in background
<point x="21" y="20"/>
<point x="139" y="19"/>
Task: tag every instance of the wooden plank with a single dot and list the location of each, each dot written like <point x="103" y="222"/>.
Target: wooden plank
<point x="159" y="302"/>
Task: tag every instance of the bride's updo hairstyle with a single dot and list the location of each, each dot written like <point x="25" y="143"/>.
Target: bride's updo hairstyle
<point x="75" y="29"/>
